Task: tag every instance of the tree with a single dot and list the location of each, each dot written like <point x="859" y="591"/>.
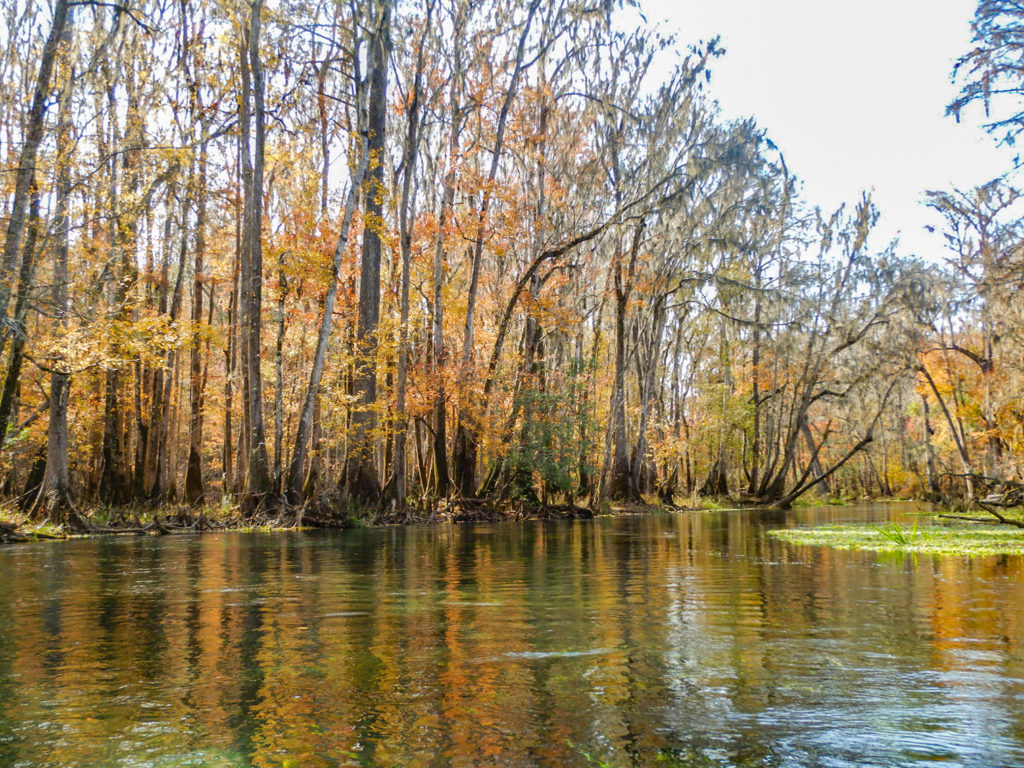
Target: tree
<point x="34" y="130"/>
<point x="406" y="218"/>
<point x="845" y="303"/>
<point x="992" y="73"/>
<point x="302" y="434"/>
<point x="361" y="480"/>
<point x="53" y="502"/>
<point x="252" y="144"/>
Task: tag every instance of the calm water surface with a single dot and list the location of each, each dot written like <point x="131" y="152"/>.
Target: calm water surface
<point x="686" y="640"/>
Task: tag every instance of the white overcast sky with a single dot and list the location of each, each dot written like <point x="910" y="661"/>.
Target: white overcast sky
<point x="853" y="92"/>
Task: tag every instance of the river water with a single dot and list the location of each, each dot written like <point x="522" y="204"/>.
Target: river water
<point x="678" y="640"/>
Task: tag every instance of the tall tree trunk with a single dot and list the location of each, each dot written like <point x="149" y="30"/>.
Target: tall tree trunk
<point x="315" y="468"/>
<point x="670" y="484"/>
<point x="933" y="483"/>
<point x="957" y="430"/>
<point x="230" y="358"/>
<point x="53" y="502"/>
<point x="294" y="487"/>
<point x="439" y="441"/>
<point x="717" y="483"/>
<point x="113" y="482"/>
<point x="362" y="482"/>
<point x="618" y="480"/>
<point x="464" y="459"/>
<point x="34" y="126"/>
<point x="164" y="476"/>
<point x="282" y="295"/>
<point x="253" y="124"/>
<point x="127" y="232"/>
<point x="755" y="393"/>
<point x="641" y="461"/>
<point x="618" y="484"/>
<point x="194" y="491"/>
<point x="587" y="370"/>
<point x="21" y="308"/>
<point x="157" y="377"/>
<point x="406" y="219"/>
<point x="815" y="463"/>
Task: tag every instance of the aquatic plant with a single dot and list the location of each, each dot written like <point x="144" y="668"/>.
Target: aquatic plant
<point x="966" y="540"/>
<point x="894" y="533"/>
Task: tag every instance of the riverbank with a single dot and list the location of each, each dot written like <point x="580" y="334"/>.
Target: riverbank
<point x="181" y="519"/>
<point x="946" y="536"/>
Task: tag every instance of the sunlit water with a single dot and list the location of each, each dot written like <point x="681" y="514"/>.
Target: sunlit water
<point x="686" y="640"/>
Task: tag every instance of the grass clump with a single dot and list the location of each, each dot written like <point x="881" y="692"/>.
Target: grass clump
<point x="937" y="540"/>
<point x="897" y="535"/>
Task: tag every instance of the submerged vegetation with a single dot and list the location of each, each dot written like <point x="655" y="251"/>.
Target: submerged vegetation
<point x="958" y="539"/>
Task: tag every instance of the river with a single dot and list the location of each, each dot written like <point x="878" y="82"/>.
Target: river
<point x="685" y="639"/>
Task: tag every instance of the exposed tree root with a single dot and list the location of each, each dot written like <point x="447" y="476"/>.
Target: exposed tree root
<point x="468" y="510"/>
<point x="53" y="504"/>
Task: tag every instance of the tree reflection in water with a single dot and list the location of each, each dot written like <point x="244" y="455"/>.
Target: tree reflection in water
<point x="691" y="639"/>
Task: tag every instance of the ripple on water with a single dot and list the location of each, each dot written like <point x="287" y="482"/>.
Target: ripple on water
<point x="679" y="639"/>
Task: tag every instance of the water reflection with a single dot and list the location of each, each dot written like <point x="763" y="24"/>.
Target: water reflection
<point x="689" y="639"/>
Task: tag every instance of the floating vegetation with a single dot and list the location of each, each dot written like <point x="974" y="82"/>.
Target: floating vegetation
<point x="897" y="535"/>
<point x="938" y="539"/>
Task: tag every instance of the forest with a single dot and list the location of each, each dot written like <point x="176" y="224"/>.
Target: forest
<point x="296" y="261"/>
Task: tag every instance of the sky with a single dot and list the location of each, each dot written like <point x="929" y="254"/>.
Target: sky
<point x="853" y="94"/>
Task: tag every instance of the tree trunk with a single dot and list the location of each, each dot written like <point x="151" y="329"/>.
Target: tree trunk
<point x="717" y="483"/>
<point x="641" y="461"/>
<point x="465" y="452"/>
<point x="282" y="287"/>
<point x="933" y="484"/>
<point x="618" y="484"/>
<point x="53" y="502"/>
<point x="406" y="220"/>
<point x="251" y="279"/>
<point x="755" y="390"/>
<point x="230" y="358"/>
<point x="34" y="127"/>
<point x="815" y="464"/>
<point x="194" y="490"/>
<point x="21" y="307"/>
<point x="297" y="468"/>
<point x="113" y="480"/>
<point x="362" y="482"/>
<point x="956" y="429"/>
<point x="439" y="441"/>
